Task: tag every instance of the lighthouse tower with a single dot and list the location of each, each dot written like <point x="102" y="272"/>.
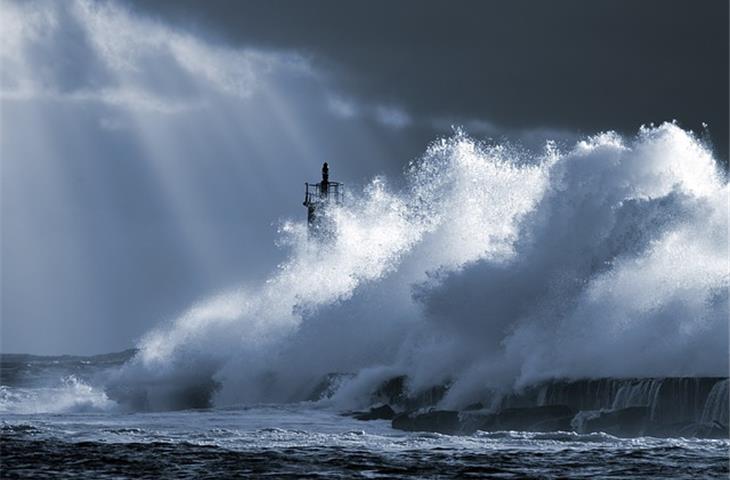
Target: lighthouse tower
<point x="317" y="197"/>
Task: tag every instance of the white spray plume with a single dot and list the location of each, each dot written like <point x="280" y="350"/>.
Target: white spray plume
<point x="491" y="269"/>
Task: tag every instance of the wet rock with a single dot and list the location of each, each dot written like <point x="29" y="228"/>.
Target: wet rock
<point x="395" y="392"/>
<point x="383" y="412"/>
<point x="426" y="398"/>
<point x="713" y="430"/>
<point x="544" y="418"/>
<point x="703" y="430"/>
<point x="474" y="420"/>
<point x="392" y="391"/>
<point x="439" y="421"/>
<point x="625" y="422"/>
<point x="540" y="419"/>
<point x="694" y="407"/>
<point x="557" y="424"/>
<point x="328" y="386"/>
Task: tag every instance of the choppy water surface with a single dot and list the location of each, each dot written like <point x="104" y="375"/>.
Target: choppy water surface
<point x="302" y="441"/>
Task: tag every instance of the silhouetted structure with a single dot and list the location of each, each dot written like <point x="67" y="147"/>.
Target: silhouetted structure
<point x="318" y="195"/>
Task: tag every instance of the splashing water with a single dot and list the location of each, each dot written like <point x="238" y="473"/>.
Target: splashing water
<point x="71" y="395"/>
<point x="491" y="268"/>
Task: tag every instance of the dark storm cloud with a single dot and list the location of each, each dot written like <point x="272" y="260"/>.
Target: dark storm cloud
<point x="147" y="164"/>
<point x="569" y="64"/>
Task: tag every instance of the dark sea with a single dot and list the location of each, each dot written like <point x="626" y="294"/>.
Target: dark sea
<point x="56" y="424"/>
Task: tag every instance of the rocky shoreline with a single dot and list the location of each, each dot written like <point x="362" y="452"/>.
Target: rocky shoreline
<point x="659" y="407"/>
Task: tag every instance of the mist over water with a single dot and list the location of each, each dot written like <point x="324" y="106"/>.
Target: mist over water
<point x="492" y="268"/>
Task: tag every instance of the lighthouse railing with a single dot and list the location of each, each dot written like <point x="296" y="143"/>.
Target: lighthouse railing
<point x="316" y="192"/>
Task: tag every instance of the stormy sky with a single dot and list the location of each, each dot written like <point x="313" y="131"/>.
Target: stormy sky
<point x="150" y="150"/>
<point x="581" y="66"/>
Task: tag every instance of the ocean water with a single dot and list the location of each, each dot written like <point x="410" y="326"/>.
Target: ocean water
<point x="58" y="422"/>
<point x="303" y="441"/>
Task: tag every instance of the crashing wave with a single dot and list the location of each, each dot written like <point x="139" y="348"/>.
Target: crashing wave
<point x="71" y="395"/>
<point x="491" y="268"/>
